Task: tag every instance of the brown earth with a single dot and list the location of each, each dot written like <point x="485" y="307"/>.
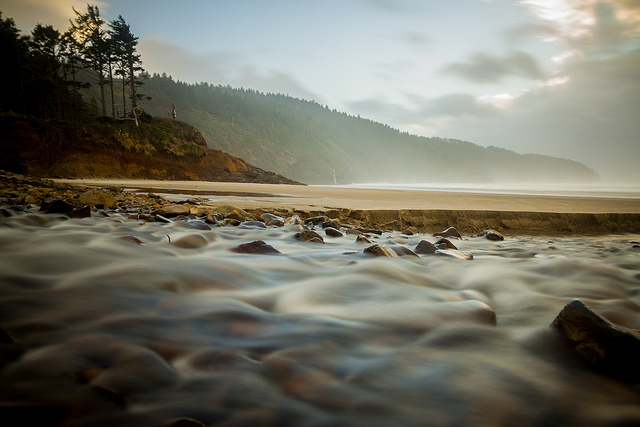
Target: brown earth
<point x="164" y="150"/>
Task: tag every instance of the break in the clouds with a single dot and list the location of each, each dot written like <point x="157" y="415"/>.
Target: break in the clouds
<point x="487" y="68"/>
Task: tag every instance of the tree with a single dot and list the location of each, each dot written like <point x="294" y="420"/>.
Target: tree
<point x="90" y="38"/>
<point x="128" y="60"/>
<point x="13" y="51"/>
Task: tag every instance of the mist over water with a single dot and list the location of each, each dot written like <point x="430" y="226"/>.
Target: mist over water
<point x="120" y="333"/>
<point x="618" y="190"/>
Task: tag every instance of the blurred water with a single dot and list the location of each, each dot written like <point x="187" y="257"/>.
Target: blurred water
<point x="114" y="332"/>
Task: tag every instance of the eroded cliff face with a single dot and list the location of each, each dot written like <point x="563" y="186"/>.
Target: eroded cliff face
<point x="164" y="149"/>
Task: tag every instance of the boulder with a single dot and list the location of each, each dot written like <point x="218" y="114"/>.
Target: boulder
<point x="316" y="220"/>
<point x="611" y="349"/>
<point x="293" y="220"/>
<point x="57" y="206"/>
<point x="402" y="250"/>
<point x="253" y="224"/>
<point x="449" y="232"/>
<point x="425" y="248"/>
<point x="381" y="250"/>
<point x="97" y="197"/>
<point x="257" y="247"/>
<point x="331" y="224"/>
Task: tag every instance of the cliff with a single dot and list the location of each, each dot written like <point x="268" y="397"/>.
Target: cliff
<point x="162" y="149"/>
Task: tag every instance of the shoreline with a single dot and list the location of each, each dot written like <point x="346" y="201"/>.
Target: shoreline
<point x="420" y="211"/>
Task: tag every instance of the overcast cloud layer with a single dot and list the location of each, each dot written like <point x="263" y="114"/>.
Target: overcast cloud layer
<point x="556" y="77"/>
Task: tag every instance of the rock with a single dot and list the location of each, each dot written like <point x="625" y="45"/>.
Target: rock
<point x="258" y="247"/>
<point x="316" y="220"/>
<point x="452" y="253"/>
<point x="132" y="239"/>
<point x="57" y="206"/>
<point x="197" y="224"/>
<point x="308" y="236"/>
<point x="363" y="239"/>
<point x="83" y="212"/>
<point x="493" y="235"/>
<point x="445" y="244"/>
<point x="97" y="197"/>
<point x="232" y="221"/>
<point x="253" y="224"/>
<point x="403" y="250"/>
<point x="173" y="210"/>
<point x="611" y="349"/>
<point x="271" y="219"/>
<point x="211" y="220"/>
<point x="449" y="232"/>
<point x="370" y="231"/>
<point x="331" y="224"/>
<point x="234" y="216"/>
<point x="196" y="211"/>
<point x="29" y="199"/>
<point x="425" y="248"/>
<point x="227" y="209"/>
<point x="160" y="218"/>
<point x="191" y="241"/>
<point x="183" y="422"/>
<point x="293" y="220"/>
<point x="381" y="250"/>
<point x="333" y="232"/>
<point x="354" y="231"/>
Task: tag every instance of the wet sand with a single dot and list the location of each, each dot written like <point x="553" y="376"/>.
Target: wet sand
<point x="426" y="211"/>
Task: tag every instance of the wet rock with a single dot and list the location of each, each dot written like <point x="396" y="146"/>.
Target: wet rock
<point x="173" y="210"/>
<point x="197" y="224"/>
<point x="108" y="394"/>
<point x="257" y="247"/>
<point x="83" y="212"/>
<point x="381" y="250"/>
<point x="452" y="253"/>
<point x="611" y="349"/>
<point x="363" y="239"/>
<point x="370" y="231"/>
<point x="353" y="231"/>
<point x="316" y="220"/>
<point x="271" y="219"/>
<point x="403" y="250"/>
<point x="57" y="206"/>
<point x="97" y="197"/>
<point x="132" y="239"/>
<point x="192" y="241"/>
<point x="333" y="232"/>
<point x="449" y="232"/>
<point x="425" y="248"/>
<point x="228" y="209"/>
<point x="331" y="224"/>
<point x="493" y="235"/>
<point x="160" y="218"/>
<point x="293" y="220"/>
<point x="234" y="216"/>
<point x="183" y="422"/>
<point x="29" y="199"/>
<point x="408" y="232"/>
<point x="253" y="224"/>
<point x="444" y="244"/>
<point x="309" y="236"/>
<point x="232" y="221"/>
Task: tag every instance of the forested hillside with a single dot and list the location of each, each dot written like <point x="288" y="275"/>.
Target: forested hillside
<point x="310" y="142"/>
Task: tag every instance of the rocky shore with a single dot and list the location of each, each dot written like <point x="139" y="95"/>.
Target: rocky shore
<point x="129" y="309"/>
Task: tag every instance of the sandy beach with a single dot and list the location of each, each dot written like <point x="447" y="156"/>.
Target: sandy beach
<point x="423" y="210"/>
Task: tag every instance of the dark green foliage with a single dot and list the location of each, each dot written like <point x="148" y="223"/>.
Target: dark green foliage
<point x="309" y="142"/>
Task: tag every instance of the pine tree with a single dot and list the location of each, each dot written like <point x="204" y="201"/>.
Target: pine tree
<point x="127" y="59"/>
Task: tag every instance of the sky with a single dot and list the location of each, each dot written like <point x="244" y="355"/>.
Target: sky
<point x="554" y="77"/>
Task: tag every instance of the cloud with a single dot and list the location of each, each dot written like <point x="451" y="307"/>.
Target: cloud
<point x="57" y="13"/>
<point x="486" y="68"/>
<point x="216" y="68"/>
